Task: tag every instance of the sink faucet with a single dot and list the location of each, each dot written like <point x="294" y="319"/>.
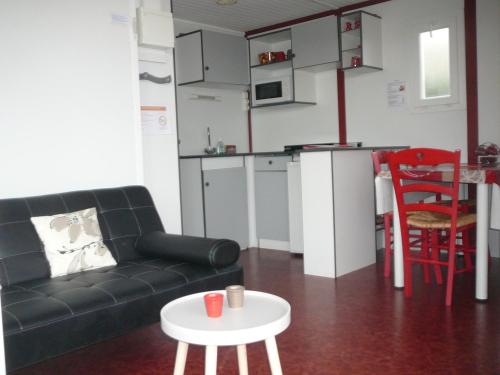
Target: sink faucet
<point x="209" y="149"/>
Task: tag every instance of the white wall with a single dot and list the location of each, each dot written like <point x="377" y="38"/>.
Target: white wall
<point x="488" y="66"/>
<point x="69" y="106"/>
<point x="488" y="61"/>
<point x="226" y="116"/>
<point x="161" y="165"/>
<point x="274" y="127"/>
<point x="369" y="119"/>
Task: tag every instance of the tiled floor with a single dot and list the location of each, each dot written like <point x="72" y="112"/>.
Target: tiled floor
<point x="356" y="324"/>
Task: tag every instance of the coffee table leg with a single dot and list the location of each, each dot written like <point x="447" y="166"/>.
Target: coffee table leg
<point x="180" y="358"/>
<point x="273" y="356"/>
<point x="210" y="360"/>
<point x="242" y="359"/>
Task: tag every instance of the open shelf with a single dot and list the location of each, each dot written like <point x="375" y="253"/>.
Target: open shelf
<point x="288" y="103"/>
<point x="361" y="69"/>
<point x="363" y="42"/>
<point x="274" y="65"/>
<point x="352" y="50"/>
<point x="352" y="32"/>
<point x="277" y="41"/>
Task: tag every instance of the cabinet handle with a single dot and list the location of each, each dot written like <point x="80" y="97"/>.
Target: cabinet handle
<point x="270" y="162"/>
<point x="207" y="68"/>
<point x="207" y="184"/>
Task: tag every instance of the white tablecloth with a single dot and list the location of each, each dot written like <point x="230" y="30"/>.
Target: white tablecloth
<point x="383" y="194"/>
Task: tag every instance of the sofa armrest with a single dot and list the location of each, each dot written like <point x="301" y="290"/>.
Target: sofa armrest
<point x="206" y="251"/>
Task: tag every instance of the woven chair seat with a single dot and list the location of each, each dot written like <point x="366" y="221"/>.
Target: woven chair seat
<point x="436" y="220"/>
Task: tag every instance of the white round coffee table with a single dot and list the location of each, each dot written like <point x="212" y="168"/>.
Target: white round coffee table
<point x="262" y="317"/>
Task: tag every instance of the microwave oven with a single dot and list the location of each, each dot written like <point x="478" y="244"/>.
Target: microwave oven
<point x="272" y="90"/>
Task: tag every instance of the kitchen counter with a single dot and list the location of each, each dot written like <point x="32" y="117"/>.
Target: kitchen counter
<point x="247" y="198"/>
<point x="281" y="153"/>
<point x="269" y="153"/>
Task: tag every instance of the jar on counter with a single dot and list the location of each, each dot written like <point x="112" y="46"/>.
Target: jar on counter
<point x="219" y="149"/>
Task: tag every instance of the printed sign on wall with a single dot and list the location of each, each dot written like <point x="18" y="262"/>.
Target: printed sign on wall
<point x="396" y="94"/>
<point x="154" y="121"/>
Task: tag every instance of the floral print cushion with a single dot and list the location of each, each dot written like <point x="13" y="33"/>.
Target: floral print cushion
<point x="73" y="242"/>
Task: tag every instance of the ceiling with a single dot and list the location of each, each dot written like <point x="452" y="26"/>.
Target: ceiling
<point x="247" y="15"/>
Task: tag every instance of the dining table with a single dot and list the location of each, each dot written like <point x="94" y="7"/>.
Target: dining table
<point x="484" y="178"/>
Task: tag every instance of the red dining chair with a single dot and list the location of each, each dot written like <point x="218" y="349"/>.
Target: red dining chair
<point x="429" y="216"/>
<point x="384" y="221"/>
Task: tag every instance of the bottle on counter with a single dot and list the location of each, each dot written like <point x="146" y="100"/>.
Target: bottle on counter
<point x="219" y="150"/>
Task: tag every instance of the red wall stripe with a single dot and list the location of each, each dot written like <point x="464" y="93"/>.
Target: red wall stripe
<point x="360" y="5"/>
<point x="341" y="105"/>
<point x="471" y="78"/>
<point x="249" y="123"/>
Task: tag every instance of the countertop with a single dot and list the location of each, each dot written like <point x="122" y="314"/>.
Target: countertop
<point x="283" y="153"/>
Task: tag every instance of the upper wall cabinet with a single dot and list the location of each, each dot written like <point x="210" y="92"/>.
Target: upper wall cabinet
<point x="207" y="58"/>
<point x="274" y="79"/>
<point x="315" y="43"/>
<point x="361" y="41"/>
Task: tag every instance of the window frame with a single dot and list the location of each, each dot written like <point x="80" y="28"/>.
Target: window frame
<point x="418" y="101"/>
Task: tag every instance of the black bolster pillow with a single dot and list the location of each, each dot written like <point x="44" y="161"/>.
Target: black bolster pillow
<point x="205" y="251"/>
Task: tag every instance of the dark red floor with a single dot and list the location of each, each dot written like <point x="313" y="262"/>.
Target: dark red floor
<point x="356" y="324"/>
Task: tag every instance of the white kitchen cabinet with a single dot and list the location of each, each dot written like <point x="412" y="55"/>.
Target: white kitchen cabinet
<point x="214" y="198"/>
<point x="361" y="41"/>
<point x="271" y="200"/>
<point x="193" y="221"/>
<point x="207" y="58"/>
<point x="295" y="208"/>
<point x="226" y="208"/>
<point x="315" y="43"/>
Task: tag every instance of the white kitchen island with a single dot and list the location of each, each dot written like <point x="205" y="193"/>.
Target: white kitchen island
<point x="338" y="211"/>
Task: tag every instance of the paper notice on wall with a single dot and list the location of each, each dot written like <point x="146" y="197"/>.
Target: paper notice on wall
<point x="119" y="19"/>
<point x="154" y="121"/>
<point x="396" y="94"/>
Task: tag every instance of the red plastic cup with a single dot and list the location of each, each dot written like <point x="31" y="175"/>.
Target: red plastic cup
<point x="213" y="304"/>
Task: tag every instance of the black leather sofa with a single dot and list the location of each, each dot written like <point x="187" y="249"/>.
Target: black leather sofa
<point x="44" y="317"/>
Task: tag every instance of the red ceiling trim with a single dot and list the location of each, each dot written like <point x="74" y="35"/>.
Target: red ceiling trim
<point x="341" y="106"/>
<point x="333" y="12"/>
<point x="471" y="78"/>
<point x="360" y="5"/>
<point x="291" y="22"/>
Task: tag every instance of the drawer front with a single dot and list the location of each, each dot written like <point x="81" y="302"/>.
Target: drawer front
<point x="208" y="164"/>
<point x="271" y="163"/>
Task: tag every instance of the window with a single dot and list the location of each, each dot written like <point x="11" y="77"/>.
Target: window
<point x="435" y="64"/>
<point x="434" y="56"/>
